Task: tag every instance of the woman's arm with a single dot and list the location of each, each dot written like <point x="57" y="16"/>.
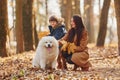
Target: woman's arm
<point x="83" y="42"/>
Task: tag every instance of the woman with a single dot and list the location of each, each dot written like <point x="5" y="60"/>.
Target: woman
<point x="56" y="28"/>
<point x="74" y="48"/>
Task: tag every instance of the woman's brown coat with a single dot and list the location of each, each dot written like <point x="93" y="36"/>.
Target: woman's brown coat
<point x="81" y="56"/>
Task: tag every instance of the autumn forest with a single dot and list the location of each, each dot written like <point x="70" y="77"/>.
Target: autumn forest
<point x="24" y="22"/>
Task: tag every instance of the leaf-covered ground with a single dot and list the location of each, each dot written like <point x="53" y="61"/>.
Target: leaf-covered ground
<point x="105" y="66"/>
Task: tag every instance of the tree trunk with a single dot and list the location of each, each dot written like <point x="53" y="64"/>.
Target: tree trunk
<point x="103" y="23"/>
<point x="69" y="13"/>
<point x="46" y="14"/>
<point x="117" y="11"/>
<point x="36" y="40"/>
<point x="89" y="19"/>
<point x="27" y="24"/>
<point x="63" y="10"/>
<point x="66" y="9"/>
<point x="19" y="27"/>
<point x="76" y="7"/>
<point x="3" y="27"/>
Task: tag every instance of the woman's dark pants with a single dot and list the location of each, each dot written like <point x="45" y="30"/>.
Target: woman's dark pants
<point x="67" y="56"/>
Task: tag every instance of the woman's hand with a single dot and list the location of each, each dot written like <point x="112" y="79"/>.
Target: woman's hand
<point x="65" y="46"/>
<point x="62" y="41"/>
<point x="71" y="48"/>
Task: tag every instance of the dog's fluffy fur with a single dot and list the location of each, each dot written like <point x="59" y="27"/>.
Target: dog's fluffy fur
<point x="46" y="53"/>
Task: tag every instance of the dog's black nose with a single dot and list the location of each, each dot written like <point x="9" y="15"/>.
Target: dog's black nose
<point x="49" y="45"/>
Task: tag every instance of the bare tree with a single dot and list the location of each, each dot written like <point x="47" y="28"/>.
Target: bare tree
<point x="27" y="24"/>
<point x="19" y="27"/>
<point x="103" y="23"/>
<point x="66" y="9"/>
<point x="46" y="10"/>
<point x="3" y="27"/>
<point x="76" y="7"/>
<point x="117" y="11"/>
<point x="88" y="19"/>
<point x="35" y="36"/>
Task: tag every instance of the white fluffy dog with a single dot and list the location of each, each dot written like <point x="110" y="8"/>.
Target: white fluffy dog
<point x="46" y="53"/>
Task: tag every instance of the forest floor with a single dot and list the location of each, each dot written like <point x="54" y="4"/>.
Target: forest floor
<point x="105" y="66"/>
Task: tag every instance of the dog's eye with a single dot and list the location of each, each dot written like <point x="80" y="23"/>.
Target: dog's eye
<point x="50" y="41"/>
<point x="45" y="42"/>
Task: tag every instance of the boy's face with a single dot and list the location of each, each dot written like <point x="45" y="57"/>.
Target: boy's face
<point x="53" y="23"/>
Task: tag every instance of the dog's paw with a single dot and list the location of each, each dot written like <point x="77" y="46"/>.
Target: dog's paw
<point x="43" y="67"/>
<point x="54" y="64"/>
<point x="35" y="65"/>
<point x="53" y="67"/>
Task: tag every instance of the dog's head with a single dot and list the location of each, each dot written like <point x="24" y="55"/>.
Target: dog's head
<point x="49" y="42"/>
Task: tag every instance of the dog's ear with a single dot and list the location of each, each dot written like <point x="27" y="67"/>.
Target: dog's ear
<point x="42" y="37"/>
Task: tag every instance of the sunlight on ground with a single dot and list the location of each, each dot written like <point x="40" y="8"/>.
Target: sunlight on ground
<point x="19" y="67"/>
<point x="90" y="45"/>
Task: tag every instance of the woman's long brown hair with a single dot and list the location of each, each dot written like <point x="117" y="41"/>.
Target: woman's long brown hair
<point x="78" y="30"/>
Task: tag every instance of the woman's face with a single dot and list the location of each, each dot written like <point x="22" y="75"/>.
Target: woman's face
<point x="72" y="23"/>
<point x="53" y="23"/>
